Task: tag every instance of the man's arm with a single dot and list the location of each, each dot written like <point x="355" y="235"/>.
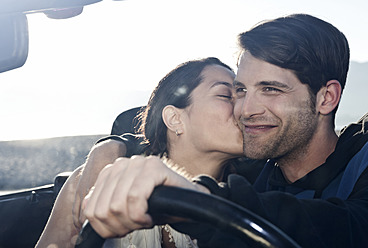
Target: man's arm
<point x="118" y="202"/>
<point x="118" y="205"/>
<point x="310" y="222"/>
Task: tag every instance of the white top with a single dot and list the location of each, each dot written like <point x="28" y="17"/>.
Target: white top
<point x="151" y="238"/>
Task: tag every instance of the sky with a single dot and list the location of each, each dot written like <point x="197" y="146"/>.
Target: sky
<point x="83" y="71"/>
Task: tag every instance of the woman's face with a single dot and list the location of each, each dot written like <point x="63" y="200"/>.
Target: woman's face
<point x="210" y="124"/>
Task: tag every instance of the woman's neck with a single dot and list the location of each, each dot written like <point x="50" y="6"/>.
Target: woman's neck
<point x="212" y="164"/>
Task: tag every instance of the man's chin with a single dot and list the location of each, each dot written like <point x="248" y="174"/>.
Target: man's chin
<point x="258" y="154"/>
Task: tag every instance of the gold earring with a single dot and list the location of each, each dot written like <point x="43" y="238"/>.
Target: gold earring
<point x="177" y="132"/>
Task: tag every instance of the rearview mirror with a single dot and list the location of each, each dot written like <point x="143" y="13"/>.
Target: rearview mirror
<point x="13" y="41"/>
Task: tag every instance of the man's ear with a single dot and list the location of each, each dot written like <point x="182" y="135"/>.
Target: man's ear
<point x="172" y="118"/>
<point x="329" y="97"/>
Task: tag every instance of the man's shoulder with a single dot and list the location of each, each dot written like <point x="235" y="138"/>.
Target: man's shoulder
<point x="355" y="134"/>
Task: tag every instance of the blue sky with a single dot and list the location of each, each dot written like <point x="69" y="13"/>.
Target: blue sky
<point x="82" y="72"/>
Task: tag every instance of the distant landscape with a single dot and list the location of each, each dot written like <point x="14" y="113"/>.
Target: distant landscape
<point x="31" y="163"/>
<point x="354" y="102"/>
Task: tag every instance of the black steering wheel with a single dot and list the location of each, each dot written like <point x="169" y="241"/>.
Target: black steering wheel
<point x="215" y="211"/>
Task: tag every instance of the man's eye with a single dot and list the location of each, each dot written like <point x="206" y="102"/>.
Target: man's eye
<point x="240" y="92"/>
<point x="271" y="89"/>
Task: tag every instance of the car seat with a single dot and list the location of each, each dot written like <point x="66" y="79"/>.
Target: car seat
<point x="127" y="121"/>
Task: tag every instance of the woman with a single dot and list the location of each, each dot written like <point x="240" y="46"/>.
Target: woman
<point x="189" y="121"/>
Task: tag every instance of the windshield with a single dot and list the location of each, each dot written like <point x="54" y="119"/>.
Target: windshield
<point x="83" y="71"/>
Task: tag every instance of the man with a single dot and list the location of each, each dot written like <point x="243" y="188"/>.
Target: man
<point x="291" y="75"/>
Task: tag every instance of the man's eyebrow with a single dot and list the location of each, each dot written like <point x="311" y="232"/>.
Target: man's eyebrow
<point x="237" y="83"/>
<point x="274" y="83"/>
<point x="264" y="83"/>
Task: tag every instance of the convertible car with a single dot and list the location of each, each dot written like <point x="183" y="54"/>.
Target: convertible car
<point x="24" y="213"/>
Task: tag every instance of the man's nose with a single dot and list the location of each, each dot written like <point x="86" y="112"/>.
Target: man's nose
<point x="248" y="106"/>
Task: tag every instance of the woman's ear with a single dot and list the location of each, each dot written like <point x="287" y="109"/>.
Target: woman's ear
<point x="172" y="118"/>
<point x="329" y="97"/>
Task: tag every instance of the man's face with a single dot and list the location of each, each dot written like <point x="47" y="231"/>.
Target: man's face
<point x="274" y="110"/>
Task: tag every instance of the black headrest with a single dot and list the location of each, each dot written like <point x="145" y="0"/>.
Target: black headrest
<point x="126" y="122"/>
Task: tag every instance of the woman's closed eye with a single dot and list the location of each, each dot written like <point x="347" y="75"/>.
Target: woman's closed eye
<point x="226" y="96"/>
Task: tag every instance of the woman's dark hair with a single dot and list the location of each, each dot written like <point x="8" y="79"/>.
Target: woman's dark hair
<point x="313" y="49"/>
<point x="174" y="89"/>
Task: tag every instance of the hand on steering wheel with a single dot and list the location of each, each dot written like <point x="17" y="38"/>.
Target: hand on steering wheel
<point x="209" y="209"/>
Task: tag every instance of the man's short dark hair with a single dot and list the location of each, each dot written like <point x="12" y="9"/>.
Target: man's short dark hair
<point x="313" y="49"/>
